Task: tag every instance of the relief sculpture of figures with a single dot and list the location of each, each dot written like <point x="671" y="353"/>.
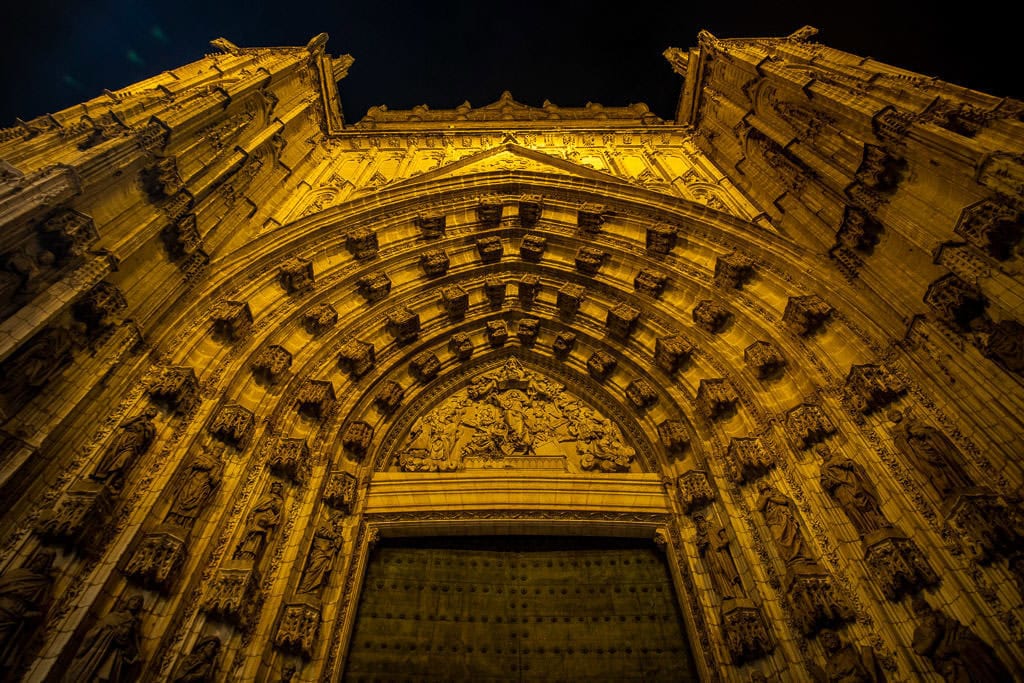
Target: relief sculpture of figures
<point x="780" y="515"/>
<point x="846" y="664"/>
<point x="200" y="480"/>
<point x="713" y="546"/>
<point x="325" y="546"/>
<point x="24" y="595"/>
<point x="135" y="437"/>
<point x="957" y="654"/>
<point x="111" y="648"/>
<point x="931" y="452"/>
<point x="844" y="481"/>
<point x="201" y="664"/>
<point x="262" y="520"/>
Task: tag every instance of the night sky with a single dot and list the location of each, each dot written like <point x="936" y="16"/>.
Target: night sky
<point x="409" y="52"/>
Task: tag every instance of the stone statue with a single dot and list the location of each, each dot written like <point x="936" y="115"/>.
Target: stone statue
<point x="135" y="437"/>
<point x="845" y="664"/>
<point x="110" y="649"/>
<point x="201" y="664"/>
<point x="713" y="546"/>
<point x="780" y="515"/>
<point x="44" y="356"/>
<point x="326" y="542"/>
<point x="24" y="594"/>
<point x="263" y="518"/>
<point x="957" y="654"/>
<point x="201" y="478"/>
<point x="844" y="481"/>
<point x="931" y="452"/>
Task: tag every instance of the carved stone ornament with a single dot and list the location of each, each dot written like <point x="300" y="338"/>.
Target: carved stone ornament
<point x="780" y="515"/>
<point x="621" y="321"/>
<point x="984" y="528"/>
<point x="641" y="394"/>
<point x="434" y="262"/>
<point x="1005" y="345"/>
<point x="590" y="216"/>
<point x="200" y="666"/>
<point x="672" y="352"/>
<point x="570" y="296"/>
<point x="25" y="595"/>
<point x="326" y="543"/>
<point x="177" y="389"/>
<point x="290" y="459"/>
<point x="455" y="301"/>
<point x="161" y="179"/>
<point x="807" y="424"/>
<point x="494" y="290"/>
<point x="106" y="126"/>
<point x="234" y="595"/>
<point x="600" y="365"/>
<point x="745" y="632"/>
<point x="879" y="170"/>
<point x="111" y="649"/>
<point x="196" y="484"/>
<point x="661" y="238"/>
<point x="531" y="206"/>
<point x="844" y="662"/>
<point x="871" y="387"/>
<point x="650" y="282"/>
<point x="403" y="324"/>
<point x="271" y="363"/>
<point x="716" y="398"/>
<point x="374" y="286"/>
<point x="674" y="437"/>
<point x="78" y="518"/>
<point x="488" y="210"/>
<point x="590" y="259"/>
<point x="68" y="233"/>
<point x="133" y="439"/>
<point x="732" y="270"/>
<point x="814" y="600"/>
<point x="158" y="558"/>
<point x="389" y="397"/>
<point x="897" y="564"/>
<point x="512" y="417"/>
<point x="858" y="231"/>
<point x="357" y="437"/>
<point x="296" y="275"/>
<point x="930" y="452"/>
<point x="431" y="224"/>
<point x="320" y="318"/>
<point x="362" y="243"/>
<point x="528" y="289"/>
<point x="804" y="315"/>
<point x="356" y="357"/>
<point x="954" y="650"/>
<point x="340" y="491"/>
<point x="532" y="247"/>
<point x="527" y="330"/>
<point x="711" y="316"/>
<point x="490" y="249"/>
<point x="232" y="320"/>
<point x="957" y="302"/>
<point x="713" y="543"/>
<point x="461" y="346"/>
<point x="750" y="459"/>
<point x="694" y="490"/>
<point x="182" y="237"/>
<point x="424" y="366"/>
<point x="496" y="332"/>
<point x="764" y="359"/>
<point x="233" y="425"/>
<point x="993" y="225"/>
<point x="260" y="523"/>
<point x="99" y="304"/>
<point x="298" y="628"/>
<point x="563" y="344"/>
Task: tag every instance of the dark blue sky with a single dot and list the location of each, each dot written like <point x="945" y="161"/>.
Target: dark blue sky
<point x="410" y="52"/>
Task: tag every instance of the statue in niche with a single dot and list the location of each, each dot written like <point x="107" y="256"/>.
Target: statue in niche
<point x="845" y="664"/>
<point x="201" y="664"/>
<point x="135" y="437"/>
<point x="931" y="452"/>
<point x="44" y="356"/>
<point x="845" y="482"/>
<point x="111" y="648"/>
<point x="262" y="520"/>
<point x="201" y="478"/>
<point x="957" y="654"/>
<point x="24" y="595"/>
<point x="780" y="515"/>
<point x="713" y="546"/>
<point x="326" y="542"/>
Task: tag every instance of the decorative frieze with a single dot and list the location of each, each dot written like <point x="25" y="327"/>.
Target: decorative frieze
<point x="804" y="315"/>
<point x="431" y="224"/>
<point x="527" y="330"/>
<point x="490" y="249"/>
<point x="570" y="296"/>
<point x="661" y="238"/>
<point x="716" y="398"/>
<point x="232" y="320"/>
<point x="590" y="216"/>
<point x="807" y="424"/>
<point x="290" y="459"/>
<point x="157" y="558"/>
<point x="672" y="352"/>
<point x="870" y="387"/>
<point x="600" y="365"/>
<point x="621" y="321"/>
<point x="389" y="397"/>
<point x="356" y="357"/>
<point x="488" y="211"/>
<point x="750" y="459"/>
<point x="529" y="288"/>
<point x="315" y="397"/>
<point x="434" y="262"/>
<point x="641" y="394"/>
<point x="424" y="366"/>
<point x="563" y="344"/>
<point x="340" y="491"/>
<point x="271" y="363"/>
<point x="695" y="490"/>
<point x="590" y="259"/>
<point x="320" y="318"/>
<point x="233" y="425"/>
<point x="461" y="346"/>
<point x="531" y="206"/>
<point x="494" y="290"/>
<point x="732" y="270"/>
<point x="356" y="438"/>
<point x="532" y="247"/>
<point x="711" y="316"/>
<point x="455" y="301"/>
<point x="496" y="332"/>
<point x="177" y="389"/>
<point x="374" y="286"/>
<point x="403" y="324"/>
<point x="362" y="243"/>
<point x="674" y="437"/>
<point x="296" y="275"/>
<point x="650" y="282"/>
<point x="764" y="359"/>
<point x="298" y="628"/>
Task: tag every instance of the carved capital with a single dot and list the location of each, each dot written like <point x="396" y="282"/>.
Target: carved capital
<point x="733" y="270"/>
<point x="661" y="238"/>
<point x="496" y="332"/>
<point x="804" y="315"/>
<point x="158" y="558"/>
<point x="672" y="352"/>
<point x="461" y="346"/>
<point x="424" y="366"/>
<point x="68" y="233"/>
<point x="870" y="387"/>
<point x="641" y="394"/>
<point x="99" y="304"/>
<point x="356" y="438"/>
<point x="564" y="343"/>
<point x="340" y="491"/>
<point x="531" y="206"/>
<point x="290" y="459"/>
<point x="494" y="290"/>
<point x="362" y="243"/>
<point x="234" y="595"/>
<point x="532" y="247"/>
<point x="527" y="330"/>
<point x="590" y="259"/>
<point x="298" y="629"/>
<point x="434" y="262"/>
<point x="570" y="296"/>
<point x="455" y="301"/>
<point x="177" y="389"/>
<point x="674" y="437"/>
<point x="650" y="282"/>
<point x="431" y="224"/>
<point x="403" y="324"/>
<point x="716" y="398"/>
<point x="763" y="358"/>
<point x="750" y="459"/>
<point x="621" y="321"/>
<point x="807" y="424"/>
<point x="711" y="316"/>
<point x="271" y="363"/>
<point x="79" y="517"/>
<point x="315" y="397"/>
<point x="490" y="249"/>
<point x="232" y="320"/>
<point x="233" y="425"/>
<point x="745" y="632"/>
<point x="600" y="365"/>
<point x="320" y="318"/>
<point x="528" y="289"/>
<point x="374" y="286"/>
<point x="858" y="231"/>
<point x="296" y="275"/>
<point x="389" y="397"/>
<point x="161" y="179"/>
<point x="488" y="211"/>
<point x="694" y="490"/>
<point x="590" y="216"/>
<point x="897" y="564"/>
<point x="993" y="225"/>
<point x="814" y="599"/>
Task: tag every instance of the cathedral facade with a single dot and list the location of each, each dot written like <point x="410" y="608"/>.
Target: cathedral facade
<point x="759" y="367"/>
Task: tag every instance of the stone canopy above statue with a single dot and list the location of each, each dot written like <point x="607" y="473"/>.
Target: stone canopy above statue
<point x="513" y="417"/>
